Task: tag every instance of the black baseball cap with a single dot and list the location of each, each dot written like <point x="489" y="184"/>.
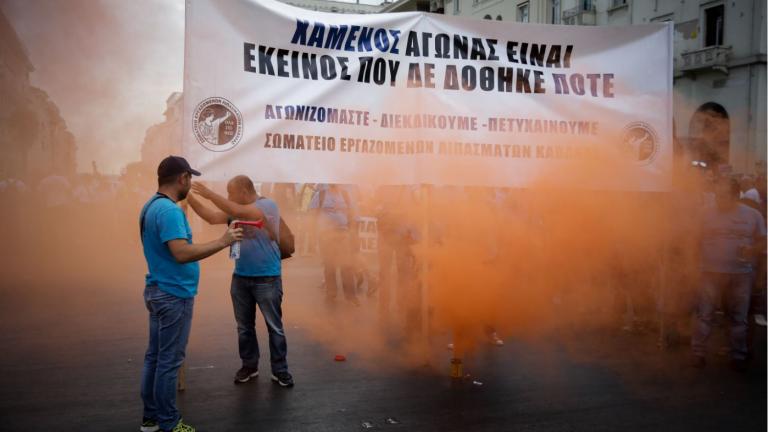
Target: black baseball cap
<point x="174" y="165"/>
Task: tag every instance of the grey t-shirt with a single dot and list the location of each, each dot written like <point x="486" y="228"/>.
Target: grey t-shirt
<point x="724" y="233"/>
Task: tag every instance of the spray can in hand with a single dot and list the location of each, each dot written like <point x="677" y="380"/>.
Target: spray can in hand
<point x="234" y="248"/>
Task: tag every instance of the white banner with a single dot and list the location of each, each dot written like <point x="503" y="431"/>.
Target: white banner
<point x="284" y="94"/>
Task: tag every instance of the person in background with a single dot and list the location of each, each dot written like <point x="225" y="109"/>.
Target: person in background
<point x="257" y="279"/>
<point x="308" y="233"/>
<point x="335" y="216"/>
<point x="170" y="289"/>
<point x="732" y="234"/>
<point x="749" y="194"/>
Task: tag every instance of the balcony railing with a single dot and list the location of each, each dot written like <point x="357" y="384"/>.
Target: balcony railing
<point x="583" y="14"/>
<point x="714" y="57"/>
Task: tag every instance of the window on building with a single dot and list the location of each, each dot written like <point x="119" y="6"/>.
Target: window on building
<point x="714" y="20"/>
<point x="522" y="12"/>
<point x="556" y="12"/>
<point x="498" y="18"/>
<point x="488" y="17"/>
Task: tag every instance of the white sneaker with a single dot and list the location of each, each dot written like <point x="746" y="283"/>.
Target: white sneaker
<point x="496" y="340"/>
<point x="760" y="320"/>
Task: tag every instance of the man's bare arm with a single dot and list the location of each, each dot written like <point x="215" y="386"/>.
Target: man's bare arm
<point x="213" y="217"/>
<point x="184" y="252"/>
<point x="237" y="211"/>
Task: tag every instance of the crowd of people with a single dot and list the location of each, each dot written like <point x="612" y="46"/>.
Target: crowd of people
<point x="708" y="267"/>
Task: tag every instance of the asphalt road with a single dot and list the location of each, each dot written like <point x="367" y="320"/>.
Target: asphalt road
<point x="72" y="350"/>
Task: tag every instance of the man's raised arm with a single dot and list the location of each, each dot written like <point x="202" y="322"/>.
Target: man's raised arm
<point x="213" y="217"/>
<point x="235" y="210"/>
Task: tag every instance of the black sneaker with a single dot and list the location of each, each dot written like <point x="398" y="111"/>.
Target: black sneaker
<point x="283" y="378"/>
<point x="245" y="374"/>
<point x="149" y="425"/>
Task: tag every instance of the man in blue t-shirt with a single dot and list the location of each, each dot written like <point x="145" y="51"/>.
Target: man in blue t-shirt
<point x="257" y="277"/>
<point x="170" y="288"/>
<point x="732" y="236"/>
<point x="334" y="214"/>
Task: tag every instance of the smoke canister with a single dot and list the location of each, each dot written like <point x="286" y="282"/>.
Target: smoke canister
<point x="234" y="250"/>
<point x="457" y="368"/>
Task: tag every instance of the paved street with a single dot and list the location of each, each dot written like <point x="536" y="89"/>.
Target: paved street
<point x="72" y="359"/>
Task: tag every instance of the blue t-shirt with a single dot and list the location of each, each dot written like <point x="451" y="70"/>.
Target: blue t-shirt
<point x="259" y="255"/>
<point x="165" y="221"/>
<point x="333" y="208"/>
<point x="724" y="233"/>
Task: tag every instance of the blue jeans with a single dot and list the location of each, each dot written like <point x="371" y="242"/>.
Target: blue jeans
<point x="267" y="293"/>
<point x="735" y="289"/>
<point x="170" y="319"/>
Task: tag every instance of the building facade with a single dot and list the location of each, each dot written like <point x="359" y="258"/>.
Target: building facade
<point x="335" y="6"/>
<point x="719" y="62"/>
<point x="34" y="139"/>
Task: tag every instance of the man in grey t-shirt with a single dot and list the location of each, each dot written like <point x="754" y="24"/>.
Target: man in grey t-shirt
<point x="732" y="235"/>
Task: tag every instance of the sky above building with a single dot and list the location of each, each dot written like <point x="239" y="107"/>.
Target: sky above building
<point x="109" y="65"/>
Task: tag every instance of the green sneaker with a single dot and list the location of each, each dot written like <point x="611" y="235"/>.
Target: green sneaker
<point x="181" y="427"/>
<point x="149" y="425"/>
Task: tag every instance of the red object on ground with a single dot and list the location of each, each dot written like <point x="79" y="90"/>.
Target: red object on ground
<point x="339" y="357"/>
<point x="258" y="224"/>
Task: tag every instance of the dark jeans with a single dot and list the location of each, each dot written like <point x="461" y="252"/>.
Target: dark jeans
<point x="735" y="289"/>
<point x="337" y="253"/>
<point x="170" y="319"/>
<point x="267" y="293"/>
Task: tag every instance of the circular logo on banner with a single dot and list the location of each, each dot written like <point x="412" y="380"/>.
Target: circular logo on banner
<point x="218" y="124"/>
<point x="640" y="142"/>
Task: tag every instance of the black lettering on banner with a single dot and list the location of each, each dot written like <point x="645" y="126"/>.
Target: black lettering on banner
<point x="364" y="75"/>
<point x="512" y="52"/>
<point x="379" y="71"/>
<point x="486" y="78"/>
<point x="451" y="81"/>
<point x="248" y="57"/>
<point x="300" y="34"/>
<point x="351" y="38"/>
<point x="460" y="47"/>
<point x="492" y="49"/>
<point x="577" y="84"/>
<point x="364" y="41"/>
<point x="429" y="75"/>
<point x="265" y="60"/>
<point x="327" y="67"/>
<point x="442" y="46"/>
<point x="505" y="79"/>
<point x="537" y="54"/>
<point x="553" y="60"/>
<point x="309" y="66"/>
<point x="282" y="63"/>
<point x="593" y="83"/>
<point x="425" y="37"/>
<point x="468" y="78"/>
<point x="561" y="84"/>
<point x="317" y="36"/>
<point x="567" y="58"/>
<point x="344" y="68"/>
<point x="381" y="40"/>
<point x="335" y="37"/>
<point x="538" y="82"/>
<point x="523" y="86"/>
<point x="478" y="51"/>
<point x="412" y="45"/>
<point x="396" y="36"/>
<point x="608" y="85"/>
<point x="414" y="76"/>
